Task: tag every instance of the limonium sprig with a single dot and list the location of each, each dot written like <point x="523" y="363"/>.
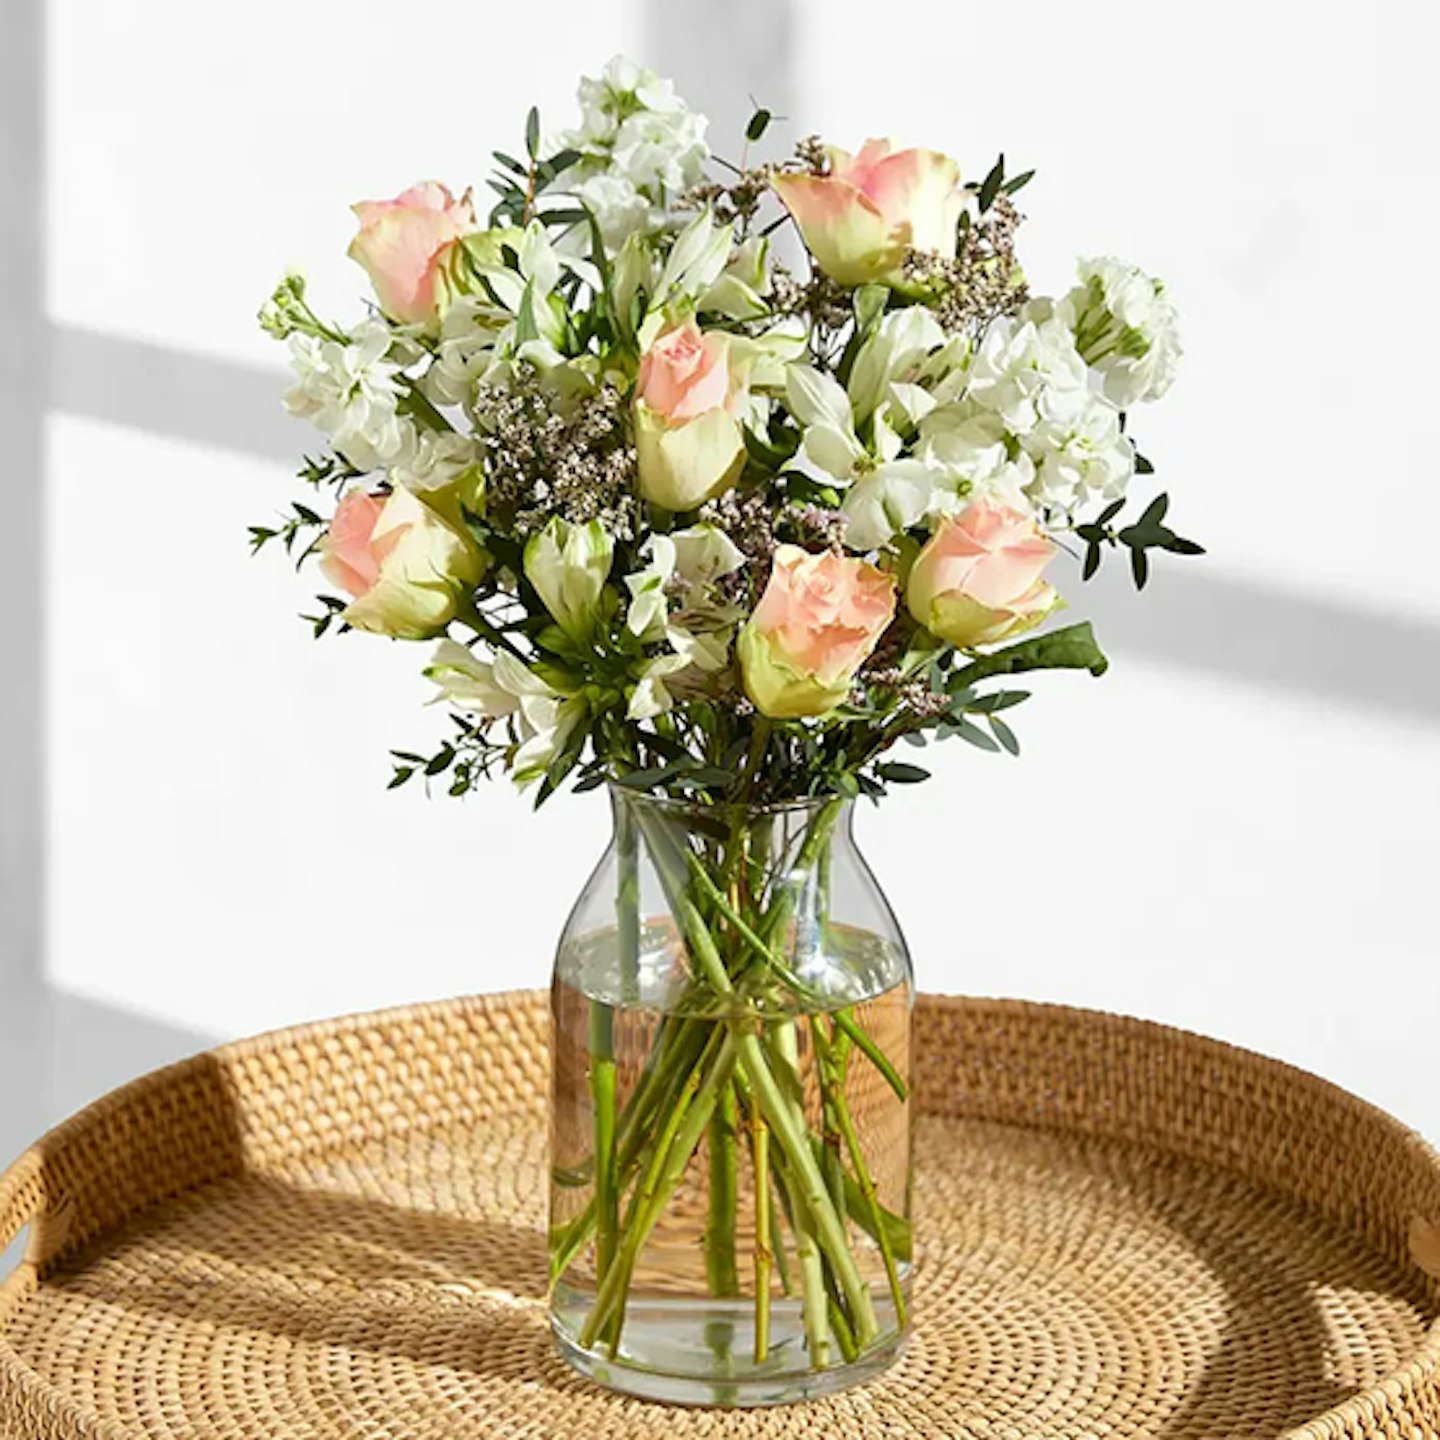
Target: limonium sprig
<point x="647" y="494"/>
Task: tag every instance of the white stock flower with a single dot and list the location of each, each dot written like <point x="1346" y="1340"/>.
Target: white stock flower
<point x="1082" y="460"/>
<point x="1125" y="327"/>
<point x="1029" y="375"/>
<point x="349" y="392"/>
<point x="1028" y="371"/>
<point x="974" y="458"/>
<point x="623" y="86"/>
<point x="661" y="153"/>
<point x="640" y="147"/>
<point x="470" y="334"/>
<point x="439" y="458"/>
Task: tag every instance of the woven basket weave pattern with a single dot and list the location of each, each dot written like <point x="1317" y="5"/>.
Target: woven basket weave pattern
<point x="336" y="1232"/>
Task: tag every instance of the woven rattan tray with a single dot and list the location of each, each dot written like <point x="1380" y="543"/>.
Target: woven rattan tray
<point x="336" y="1232"/>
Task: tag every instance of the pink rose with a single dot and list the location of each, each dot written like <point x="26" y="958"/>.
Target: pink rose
<point x="977" y="581"/>
<point x="407" y="569"/>
<point x="859" y="220"/>
<point x="689" y="445"/>
<point x="817" y="622"/>
<point x="403" y="242"/>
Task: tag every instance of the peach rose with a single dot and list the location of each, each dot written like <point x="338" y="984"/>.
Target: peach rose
<point x="859" y="220"/>
<point x="977" y="581"/>
<point x="689" y="444"/>
<point x="407" y="569"/>
<point x="816" y="624"/>
<point x="403" y="242"/>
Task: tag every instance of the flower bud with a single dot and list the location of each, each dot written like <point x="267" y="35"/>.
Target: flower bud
<point x="568" y="566"/>
<point x="408" y="569"/>
<point x="977" y="581"/>
<point x="818" y="621"/>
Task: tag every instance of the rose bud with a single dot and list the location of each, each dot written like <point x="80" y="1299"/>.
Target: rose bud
<point x="977" y="581"/>
<point x="689" y="444"/>
<point x="816" y="624"/>
<point x="859" y="219"/>
<point x="407" y="569"/>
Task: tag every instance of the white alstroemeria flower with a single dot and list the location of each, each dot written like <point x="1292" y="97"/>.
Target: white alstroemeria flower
<point x="1125" y="328"/>
<point x="1081" y="460"/>
<point x="1029" y="372"/>
<point x="568" y="566"/>
<point x="468" y="683"/>
<point x="895" y="353"/>
<point x="705" y="554"/>
<point x="696" y="261"/>
<point x="634" y="270"/>
<point x="650" y="697"/>
<point x="689" y="562"/>
<point x="439" y="458"/>
<point x="975" y="458"/>
<point x="649" y="608"/>
<point x="548" y="725"/>
<point x="742" y="286"/>
<point x="885" y="493"/>
<point x="350" y="392"/>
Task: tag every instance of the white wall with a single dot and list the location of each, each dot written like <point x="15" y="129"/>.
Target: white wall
<point x="1230" y="831"/>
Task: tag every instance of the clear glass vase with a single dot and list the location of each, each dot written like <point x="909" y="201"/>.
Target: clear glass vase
<point x="730" y="1123"/>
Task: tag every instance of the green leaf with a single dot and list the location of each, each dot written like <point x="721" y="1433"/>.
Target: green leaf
<point x="1070" y="648"/>
<point x="1155" y="511"/>
<point x="401" y="775"/>
<point x="440" y="761"/>
<point x="1004" y="734"/>
<point x="969" y="731"/>
<point x="990" y="186"/>
<point x="532" y="132"/>
<point x="1139" y="566"/>
<point x="1110" y="511"/>
<point x="510" y="162"/>
<point x="1000" y="700"/>
<point x="1142" y="466"/>
<point x="896" y="772"/>
<point x="1092" y="560"/>
<point x="1018" y="183"/>
<point x="758" y="124"/>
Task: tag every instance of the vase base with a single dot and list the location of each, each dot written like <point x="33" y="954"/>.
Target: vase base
<point x="700" y="1352"/>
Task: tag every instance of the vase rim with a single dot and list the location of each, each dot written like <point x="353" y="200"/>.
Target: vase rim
<point x="805" y="804"/>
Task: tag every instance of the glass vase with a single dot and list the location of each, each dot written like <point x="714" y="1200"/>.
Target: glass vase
<point x="730" y="1122"/>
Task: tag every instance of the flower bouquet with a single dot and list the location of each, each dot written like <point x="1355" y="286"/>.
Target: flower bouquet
<point x="715" y="482"/>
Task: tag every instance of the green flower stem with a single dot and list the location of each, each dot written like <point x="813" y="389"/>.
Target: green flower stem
<point x="787" y="1121"/>
<point x="842" y="1018"/>
<point x="677" y="1142"/>
<point x="831" y="1069"/>
<point x="720" y="1269"/>
<point x="661" y="1086"/>
<point x="813" y="1299"/>
<point x="627" y="905"/>
<point x="831" y="1058"/>
<point x="602" y="1102"/>
<point x="764" y="1254"/>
